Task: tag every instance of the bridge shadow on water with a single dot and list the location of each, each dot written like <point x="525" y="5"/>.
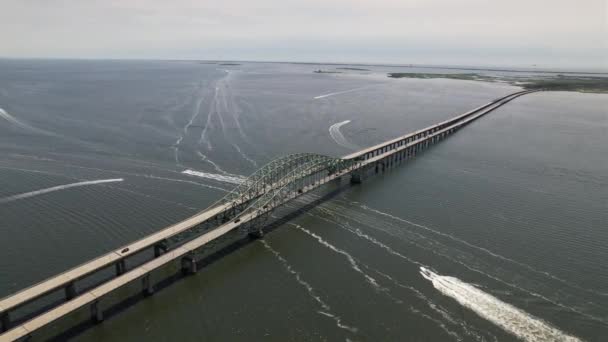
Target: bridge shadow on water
<point x="235" y="244"/>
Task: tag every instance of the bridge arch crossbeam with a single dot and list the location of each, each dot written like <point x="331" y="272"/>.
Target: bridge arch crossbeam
<point x="267" y="176"/>
<point x="292" y="185"/>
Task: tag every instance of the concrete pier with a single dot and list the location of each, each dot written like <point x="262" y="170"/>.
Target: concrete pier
<point x="5" y="322"/>
<point x="256" y="234"/>
<point x="146" y="284"/>
<point x="70" y="291"/>
<point x="96" y="312"/>
<point x="189" y="265"/>
<point x="121" y="267"/>
<point x="160" y="248"/>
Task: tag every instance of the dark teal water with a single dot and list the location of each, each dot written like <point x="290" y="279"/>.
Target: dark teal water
<point x="509" y="215"/>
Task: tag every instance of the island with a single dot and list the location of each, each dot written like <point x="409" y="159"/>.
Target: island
<point x="584" y="84"/>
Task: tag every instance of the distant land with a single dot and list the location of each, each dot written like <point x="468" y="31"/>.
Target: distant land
<point x="358" y="69"/>
<point x="319" y="71"/>
<point x="583" y="84"/>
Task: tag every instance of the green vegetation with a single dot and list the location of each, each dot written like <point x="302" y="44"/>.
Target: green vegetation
<point x="571" y="83"/>
<point x="587" y="84"/>
<point x="474" y="77"/>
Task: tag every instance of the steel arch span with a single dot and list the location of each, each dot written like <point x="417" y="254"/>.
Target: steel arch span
<point x="278" y="173"/>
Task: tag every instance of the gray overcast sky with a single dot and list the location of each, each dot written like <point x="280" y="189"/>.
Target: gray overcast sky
<point x="549" y="33"/>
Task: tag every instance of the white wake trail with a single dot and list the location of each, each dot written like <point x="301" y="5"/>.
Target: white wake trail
<point x="338" y="93"/>
<point x="236" y="116"/>
<point x="336" y="134"/>
<point x="57" y="188"/>
<point x="456" y="260"/>
<point x="149" y="176"/>
<point x="504" y="315"/>
<point x="227" y="110"/>
<point x="213" y="110"/>
<point x="482" y="249"/>
<point x="217" y="167"/>
<point x="361" y="234"/>
<point x="411" y="308"/>
<point x="179" y="139"/>
<point x="245" y="156"/>
<point x="12" y="120"/>
<point x="215" y="176"/>
<point x="153" y="197"/>
<point x="195" y="115"/>
<point x="326" y="308"/>
<point x="175" y="148"/>
<point x="353" y="263"/>
<point x="443" y="312"/>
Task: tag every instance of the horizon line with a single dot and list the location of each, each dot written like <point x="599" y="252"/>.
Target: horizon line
<point x="486" y="67"/>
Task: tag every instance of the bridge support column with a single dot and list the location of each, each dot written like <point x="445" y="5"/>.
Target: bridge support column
<point x="121" y="267"/>
<point x="70" y="291"/>
<point x="356" y="178"/>
<point x="146" y="285"/>
<point x="256" y="234"/>
<point x="96" y="312"/>
<point x="189" y="265"/>
<point x="5" y="322"/>
<point x="160" y="248"/>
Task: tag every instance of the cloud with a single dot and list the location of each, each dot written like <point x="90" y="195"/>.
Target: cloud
<point x="551" y="32"/>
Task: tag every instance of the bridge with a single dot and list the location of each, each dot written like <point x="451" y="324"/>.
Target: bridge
<point x="246" y="207"/>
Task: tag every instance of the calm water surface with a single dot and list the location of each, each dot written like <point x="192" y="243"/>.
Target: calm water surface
<point x="508" y="217"/>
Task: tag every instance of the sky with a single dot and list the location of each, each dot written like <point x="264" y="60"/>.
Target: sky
<point x="524" y="33"/>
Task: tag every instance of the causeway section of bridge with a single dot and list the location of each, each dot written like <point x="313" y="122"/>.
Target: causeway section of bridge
<point x="246" y="207"/>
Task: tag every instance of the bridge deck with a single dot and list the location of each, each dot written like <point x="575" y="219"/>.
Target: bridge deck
<point x="106" y="260"/>
<point x="429" y="128"/>
<point x="98" y="292"/>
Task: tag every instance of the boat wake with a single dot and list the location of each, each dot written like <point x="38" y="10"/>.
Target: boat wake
<point x="506" y="316"/>
<point x="215" y="176"/>
<point x="57" y="188"/>
<point x="438" y="249"/>
<point x="336" y="134"/>
<point x="16" y="122"/>
<point x="326" y="309"/>
<point x="482" y="249"/>
<point x="353" y="263"/>
<point x="338" y="93"/>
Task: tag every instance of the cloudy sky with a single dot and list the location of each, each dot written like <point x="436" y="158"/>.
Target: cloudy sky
<point x="548" y="33"/>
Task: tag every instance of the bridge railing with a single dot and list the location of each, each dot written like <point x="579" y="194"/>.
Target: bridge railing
<point x="405" y="139"/>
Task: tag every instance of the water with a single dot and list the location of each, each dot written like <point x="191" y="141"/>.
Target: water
<point x="496" y="233"/>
